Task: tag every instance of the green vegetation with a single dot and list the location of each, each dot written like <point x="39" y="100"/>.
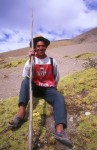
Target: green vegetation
<point x="14" y="63"/>
<point x="80" y="90"/>
<point x="85" y="56"/>
<point x="18" y="139"/>
<point x="87" y="132"/>
<point x="66" y="56"/>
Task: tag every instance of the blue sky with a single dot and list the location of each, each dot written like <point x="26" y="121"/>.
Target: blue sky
<point x="54" y="19"/>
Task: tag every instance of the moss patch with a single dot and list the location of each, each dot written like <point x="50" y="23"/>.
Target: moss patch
<point x="66" y="56"/>
<point x="14" y="63"/>
<point x="87" y="132"/>
<point x="18" y="139"/>
<point x="80" y="90"/>
<point x="85" y="56"/>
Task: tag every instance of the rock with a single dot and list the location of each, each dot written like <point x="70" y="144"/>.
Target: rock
<point x="87" y="113"/>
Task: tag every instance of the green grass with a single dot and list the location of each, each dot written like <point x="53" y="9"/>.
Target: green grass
<point x="80" y="90"/>
<point x="66" y="56"/>
<point x="87" y="132"/>
<point x="18" y="139"/>
<point x="85" y="56"/>
<point x="77" y="82"/>
<point x="14" y="63"/>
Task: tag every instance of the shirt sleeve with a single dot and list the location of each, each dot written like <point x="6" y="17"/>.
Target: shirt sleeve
<point x="26" y="69"/>
<point x="56" y="71"/>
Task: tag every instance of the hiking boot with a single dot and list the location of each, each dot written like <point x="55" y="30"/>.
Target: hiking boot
<point x="16" y="122"/>
<point x="63" y="138"/>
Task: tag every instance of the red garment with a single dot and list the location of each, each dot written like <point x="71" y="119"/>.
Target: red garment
<point x="43" y="75"/>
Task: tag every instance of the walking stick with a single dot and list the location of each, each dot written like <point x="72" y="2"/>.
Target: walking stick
<point x="30" y="138"/>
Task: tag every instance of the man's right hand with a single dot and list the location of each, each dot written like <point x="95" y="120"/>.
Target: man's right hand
<point x="31" y="53"/>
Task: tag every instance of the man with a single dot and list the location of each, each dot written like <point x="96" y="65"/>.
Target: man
<point x="44" y="83"/>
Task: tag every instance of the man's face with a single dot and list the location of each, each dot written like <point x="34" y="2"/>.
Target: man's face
<point x="40" y="48"/>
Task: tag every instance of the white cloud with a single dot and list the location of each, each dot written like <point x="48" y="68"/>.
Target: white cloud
<point x="63" y="15"/>
<point x="13" y="39"/>
<point x="55" y="19"/>
<point x="2" y="36"/>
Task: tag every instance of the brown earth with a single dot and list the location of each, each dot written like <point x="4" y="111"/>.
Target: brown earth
<point x="90" y="36"/>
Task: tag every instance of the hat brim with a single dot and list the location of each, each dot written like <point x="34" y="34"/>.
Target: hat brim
<point x="37" y="39"/>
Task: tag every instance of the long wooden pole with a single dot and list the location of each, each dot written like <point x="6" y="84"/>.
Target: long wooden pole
<point x="30" y="138"/>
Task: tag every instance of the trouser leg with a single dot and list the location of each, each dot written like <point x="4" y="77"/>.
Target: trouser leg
<point x="56" y="99"/>
<point x="24" y="92"/>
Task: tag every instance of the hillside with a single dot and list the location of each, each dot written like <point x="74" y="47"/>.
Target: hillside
<point x="23" y="51"/>
<point x="78" y="83"/>
<point x="89" y="36"/>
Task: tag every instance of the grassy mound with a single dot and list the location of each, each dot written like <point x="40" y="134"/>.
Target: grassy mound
<point x="14" y="63"/>
<point x="80" y="90"/>
<point x="18" y="139"/>
<point x="85" y="56"/>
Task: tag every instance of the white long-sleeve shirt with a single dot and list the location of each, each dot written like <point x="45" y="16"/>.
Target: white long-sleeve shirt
<point x="42" y="71"/>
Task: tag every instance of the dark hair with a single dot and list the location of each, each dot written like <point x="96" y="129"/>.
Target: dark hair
<point x="37" y="39"/>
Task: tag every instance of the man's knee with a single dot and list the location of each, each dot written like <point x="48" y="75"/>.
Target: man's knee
<point x="60" y="99"/>
<point x="25" y="82"/>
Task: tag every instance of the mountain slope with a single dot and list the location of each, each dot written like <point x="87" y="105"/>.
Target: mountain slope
<point x="89" y="36"/>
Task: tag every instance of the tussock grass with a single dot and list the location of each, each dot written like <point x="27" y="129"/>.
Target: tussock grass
<point x="80" y="90"/>
<point x="85" y="56"/>
<point x="14" y="63"/>
<point x="18" y="139"/>
<point x="87" y="132"/>
<point x="66" y="56"/>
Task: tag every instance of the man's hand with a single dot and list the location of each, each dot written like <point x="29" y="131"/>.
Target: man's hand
<point x="31" y="53"/>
